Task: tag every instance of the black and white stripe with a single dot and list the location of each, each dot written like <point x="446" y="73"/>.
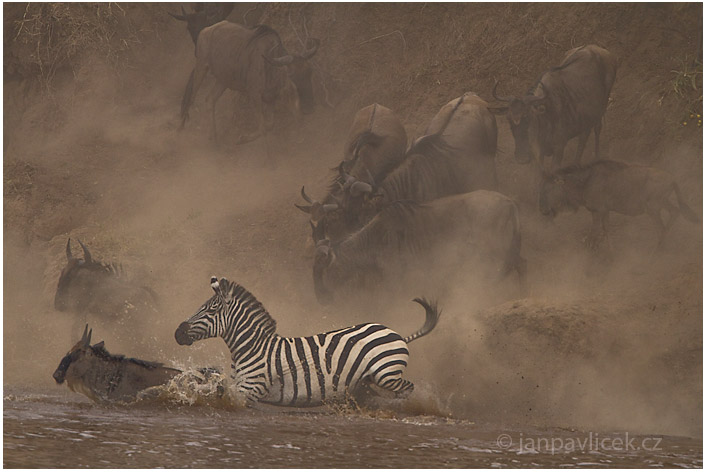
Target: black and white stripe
<point x="305" y="371"/>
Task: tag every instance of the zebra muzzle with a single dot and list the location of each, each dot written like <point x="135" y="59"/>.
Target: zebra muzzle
<point x="182" y="334"/>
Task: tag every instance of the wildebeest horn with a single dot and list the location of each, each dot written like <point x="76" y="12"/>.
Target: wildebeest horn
<point x="537" y="98"/>
<point x="311" y="51"/>
<point x="69" y="256"/>
<point x="304" y="208"/>
<point x="330" y="207"/>
<point x="502" y="99"/>
<point x="360" y="188"/>
<point x="305" y="196"/>
<point x="182" y="17"/>
<point x="280" y="61"/>
<point x="86" y="338"/>
<point x="86" y="254"/>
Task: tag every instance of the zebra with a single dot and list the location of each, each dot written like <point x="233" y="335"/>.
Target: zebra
<point x="304" y="371"/>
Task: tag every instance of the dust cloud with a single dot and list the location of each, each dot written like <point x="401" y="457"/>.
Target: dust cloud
<point x="600" y="340"/>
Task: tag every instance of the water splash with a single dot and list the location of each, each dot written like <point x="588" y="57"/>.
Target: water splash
<point x="195" y="387"/>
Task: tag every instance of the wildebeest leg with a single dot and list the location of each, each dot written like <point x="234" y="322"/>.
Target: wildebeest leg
<point x="195" y="80"/>
<point x="656" y="214"/>
<point x="583" y="138"/>
<point x="260" y="114"/>
<point x="213" y="97"/>
<point x="597" y="133"/>
<point x="598" y="230"/>
<point x="557" y="156"/>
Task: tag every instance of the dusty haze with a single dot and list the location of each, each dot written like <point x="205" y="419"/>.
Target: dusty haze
<point x="601" y="340"/>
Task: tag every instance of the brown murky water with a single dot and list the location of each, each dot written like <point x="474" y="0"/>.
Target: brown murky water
<point x="52" y="429"/>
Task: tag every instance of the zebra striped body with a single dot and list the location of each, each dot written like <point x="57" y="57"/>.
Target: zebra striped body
<point x="306" y="371"/>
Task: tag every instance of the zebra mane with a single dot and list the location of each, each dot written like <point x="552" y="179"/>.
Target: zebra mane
<point x="255" y="309"/>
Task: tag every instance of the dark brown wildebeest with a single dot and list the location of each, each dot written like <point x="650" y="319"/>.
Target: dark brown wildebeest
<point x="605" y="186"/>
<point x="376" y="144"/>
<point x="104" y="377"/>
<point x="482" y="224"/>
<point x="89" y="286"/>
<point x="458" y="157"/>
<point x="203" y="15"/>
<point x="567" y="101"/>
<point x="252" y="62"/>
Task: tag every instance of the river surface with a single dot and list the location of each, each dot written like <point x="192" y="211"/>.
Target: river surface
<point x="52" y="429"/>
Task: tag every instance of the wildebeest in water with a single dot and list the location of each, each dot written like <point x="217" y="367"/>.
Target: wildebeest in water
<point x="105" y="377"/>
<point x="567" y="101"/>
<point x="89" y="286"/>
<point x="605" y="186"/>
<point x="255" y="63"/>
<point x="102" y="377"/>
<point x="481" y="226"/>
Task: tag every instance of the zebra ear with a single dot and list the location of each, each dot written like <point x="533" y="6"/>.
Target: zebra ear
<point x="215" y="285"/>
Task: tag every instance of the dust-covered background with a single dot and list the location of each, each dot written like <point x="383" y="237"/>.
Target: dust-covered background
<point x="611" y="339"/>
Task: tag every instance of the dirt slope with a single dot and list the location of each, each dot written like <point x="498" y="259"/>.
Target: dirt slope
<point x="92" y="151"/>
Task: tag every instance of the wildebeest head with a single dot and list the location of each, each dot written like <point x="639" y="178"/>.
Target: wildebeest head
<point x="299" y="72"/>
<point x="204" y="14"/>
<point x="523" y="115"/>
<point x="78" y="280"/>
<point x="73" y="356"/>
<point x="557" y="193"/>
<point x="326" y="219"/>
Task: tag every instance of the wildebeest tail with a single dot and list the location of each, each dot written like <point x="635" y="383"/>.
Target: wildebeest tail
<point x="686" y="211"/>
<point x="432" y="318"/>
<point x="186" y="99"/>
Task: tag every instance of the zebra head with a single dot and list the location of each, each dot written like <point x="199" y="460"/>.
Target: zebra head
<point x="208" y="321"/>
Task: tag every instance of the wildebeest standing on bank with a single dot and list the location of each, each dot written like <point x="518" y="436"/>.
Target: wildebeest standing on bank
<point x="203" y="15"/>
<point x="255" y="63"/>
<point x="376" y="144"/>
<point x="104" y="377"/>
<point x="458" y="157"/>
<point x="480" y="225"/>
<point x="87" y="286"/>
<point x="567" y="101"/>
<point x="606" y="186"/>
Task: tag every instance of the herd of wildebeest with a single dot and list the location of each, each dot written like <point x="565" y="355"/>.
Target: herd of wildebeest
<point x="388" y="201"/>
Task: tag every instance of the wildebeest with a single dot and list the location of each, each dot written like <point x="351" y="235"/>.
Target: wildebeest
<point x="567" y="101"/>
<point x="476" y="225"/>
<point x="255" y="63"/>
<point x="376" y="144"/>
<point x="203" y="15"/>
<point x="605" y="186"/>
<point x="89" y="286"/>
<point x="458" y="157"/>
<point x="104" y="377"/>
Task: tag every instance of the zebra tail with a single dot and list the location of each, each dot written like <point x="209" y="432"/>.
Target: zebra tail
<point x="432" y="318"/>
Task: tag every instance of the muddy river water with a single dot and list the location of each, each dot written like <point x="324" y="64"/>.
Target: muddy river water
<point x="52" y="429"/>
